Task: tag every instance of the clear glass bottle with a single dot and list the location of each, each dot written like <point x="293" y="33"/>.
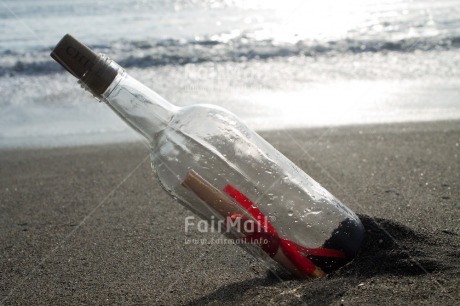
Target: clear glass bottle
<point x="221" y="170"/>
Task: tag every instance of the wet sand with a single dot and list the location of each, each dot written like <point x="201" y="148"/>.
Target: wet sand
<point x="90" y="225"/>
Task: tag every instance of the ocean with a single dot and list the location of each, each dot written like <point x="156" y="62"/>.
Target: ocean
<point x="276" y="64"/>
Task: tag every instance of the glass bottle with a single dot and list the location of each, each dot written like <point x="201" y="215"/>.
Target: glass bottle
<point x="225" y="173"/>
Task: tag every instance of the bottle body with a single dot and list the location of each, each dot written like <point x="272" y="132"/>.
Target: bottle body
<point x="218" y="154"/>
<point x="212" y="163"/>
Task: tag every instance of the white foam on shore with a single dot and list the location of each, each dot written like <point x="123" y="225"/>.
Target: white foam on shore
<point x="296" y="92"/>
<point x="74" y="118"/>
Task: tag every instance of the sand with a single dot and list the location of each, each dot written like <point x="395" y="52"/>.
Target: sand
<point x="90" y="225"/>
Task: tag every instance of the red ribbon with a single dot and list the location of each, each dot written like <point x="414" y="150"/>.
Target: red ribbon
<point x="266" y="232"/>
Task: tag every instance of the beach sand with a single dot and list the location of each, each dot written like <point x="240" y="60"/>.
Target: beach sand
<point x="91" y="225"/>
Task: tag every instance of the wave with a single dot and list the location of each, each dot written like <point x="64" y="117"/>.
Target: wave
<point x="143" y="54"/>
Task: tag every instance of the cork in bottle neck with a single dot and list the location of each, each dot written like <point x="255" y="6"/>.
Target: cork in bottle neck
<point x="95" y="72"/>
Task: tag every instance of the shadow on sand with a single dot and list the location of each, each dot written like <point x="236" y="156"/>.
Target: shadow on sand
<point x="389" y="249"/>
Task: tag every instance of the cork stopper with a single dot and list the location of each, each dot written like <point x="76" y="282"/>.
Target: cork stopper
<point x="93" y="70"/>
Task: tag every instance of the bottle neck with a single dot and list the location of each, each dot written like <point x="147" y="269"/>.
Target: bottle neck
<point x="139" y="106"/>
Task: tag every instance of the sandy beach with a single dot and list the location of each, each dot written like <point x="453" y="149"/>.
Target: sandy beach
<point x="90" y="225"/>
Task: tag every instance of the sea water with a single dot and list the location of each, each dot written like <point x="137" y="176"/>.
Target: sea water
<point x="276" y="64"/>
